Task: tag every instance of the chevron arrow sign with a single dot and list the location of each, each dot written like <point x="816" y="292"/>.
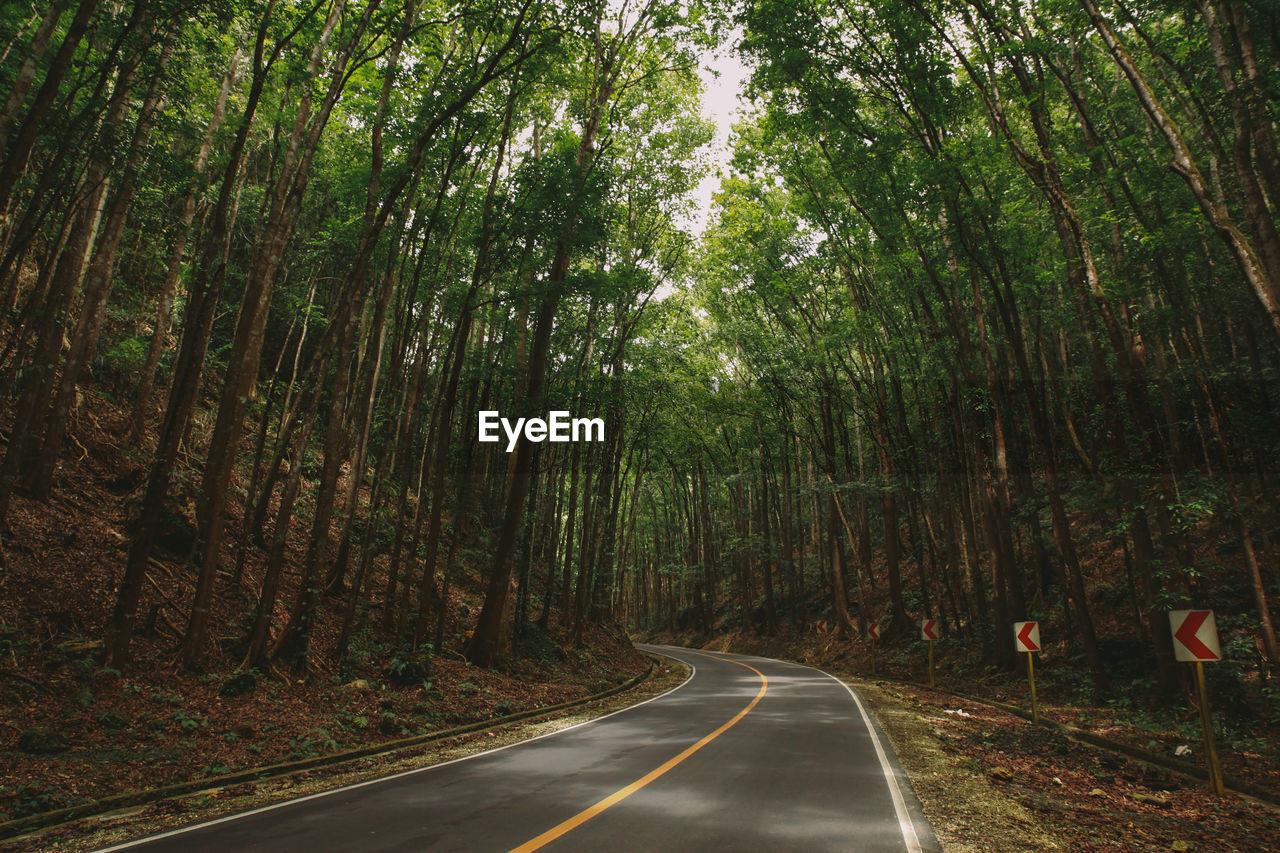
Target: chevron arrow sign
<point x="1026" y="636"/>
<point x="1195" y="635"/>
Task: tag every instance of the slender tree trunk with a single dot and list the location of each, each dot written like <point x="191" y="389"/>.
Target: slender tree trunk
<point x="27" y="71"/>
<point x="16" y="155"/>
<point x="188" y="368"/>
<point x="1251" y="265"/>
<point x="99" y="279"/>
<point x="169" y="288"/>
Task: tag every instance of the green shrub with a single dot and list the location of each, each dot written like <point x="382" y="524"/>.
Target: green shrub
<point x="29" y="799"/>
<point x="187" y="722"/>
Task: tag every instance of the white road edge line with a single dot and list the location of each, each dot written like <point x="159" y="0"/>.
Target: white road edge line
<point x="228" y="818"/>
<point x="905" y="823"/>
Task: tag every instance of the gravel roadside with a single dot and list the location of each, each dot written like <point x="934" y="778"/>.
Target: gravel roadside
<point x="990" y="781"/>
<point x="968" y="814"/>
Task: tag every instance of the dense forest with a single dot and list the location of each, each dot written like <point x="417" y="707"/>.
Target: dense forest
<point x="984" y="326"/>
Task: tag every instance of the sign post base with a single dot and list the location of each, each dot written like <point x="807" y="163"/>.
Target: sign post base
<point x="1031" y="679"/>
<point x="1206" y="725"/>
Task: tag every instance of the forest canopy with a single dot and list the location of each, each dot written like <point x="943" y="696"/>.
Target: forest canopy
<point x="984" y="325"/>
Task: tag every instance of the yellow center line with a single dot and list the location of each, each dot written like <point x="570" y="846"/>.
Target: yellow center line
<point x="621" y="794"/>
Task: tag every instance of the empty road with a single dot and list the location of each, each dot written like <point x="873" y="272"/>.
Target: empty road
<point x="749" y="754"/>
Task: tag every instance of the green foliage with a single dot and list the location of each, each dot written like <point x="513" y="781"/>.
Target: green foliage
<point x="25" y="799"/>
<point x="166" y="696"/>
<point x="354" y="723"/>
<point x="126" y="355"/>
<point x="188" y="723"/>
<point x="313" y="742"/>
<point x="952" y="309"/>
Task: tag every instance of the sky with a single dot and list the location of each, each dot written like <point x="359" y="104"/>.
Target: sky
<point x="720" y="103"/>
<point x="724" y="79"/>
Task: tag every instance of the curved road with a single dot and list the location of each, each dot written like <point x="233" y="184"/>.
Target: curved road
<point x="748" y="754"/>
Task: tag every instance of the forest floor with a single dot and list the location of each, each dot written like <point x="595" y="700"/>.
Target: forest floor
<point x="990" y="780"/>
<point x="102" y="830"/>
<point x="78" y="732"/>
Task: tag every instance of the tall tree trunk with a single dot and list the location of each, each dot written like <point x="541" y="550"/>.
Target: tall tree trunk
<point x="16" y="156"/>
<point x="169" y="287"/>
<point x="1251" y="265"/>
<point x="99" y="277"/>
<point x="188" y="369"/>
<point x="27" y="71"/>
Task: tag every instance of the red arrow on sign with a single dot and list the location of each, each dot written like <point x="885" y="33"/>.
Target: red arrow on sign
<point x="1188" y="634"/>
<point x="929" y="629"/>
<point x="873" y="630"/>
<point x="1029" y="642"/>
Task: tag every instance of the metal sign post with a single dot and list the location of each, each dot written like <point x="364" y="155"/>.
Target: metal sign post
<point x="1195" y="640"/>
<point x="1206" y="726"/>
<point x="1026" y="636"/>
<point x="873" y="631"/>
<point x="1031" y="680"/>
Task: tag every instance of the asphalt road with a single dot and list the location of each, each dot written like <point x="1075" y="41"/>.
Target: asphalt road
<point x="749" y="754"/>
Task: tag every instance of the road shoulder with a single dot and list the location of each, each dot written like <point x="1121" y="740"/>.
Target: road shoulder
<point x="990" y="780"/>
<point x="967" y="813"/>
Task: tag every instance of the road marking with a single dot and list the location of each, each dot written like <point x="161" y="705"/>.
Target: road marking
<point x="621" y="794"/>
<point x="905" y="823"/>
<point x="182" y="830"/>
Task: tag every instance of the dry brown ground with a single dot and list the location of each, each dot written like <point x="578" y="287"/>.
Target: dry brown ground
<point x="92" y="833"/>
<point x="157" y="726"/>
<point x="989" y="780"/>
<point x="968" y="814"/>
